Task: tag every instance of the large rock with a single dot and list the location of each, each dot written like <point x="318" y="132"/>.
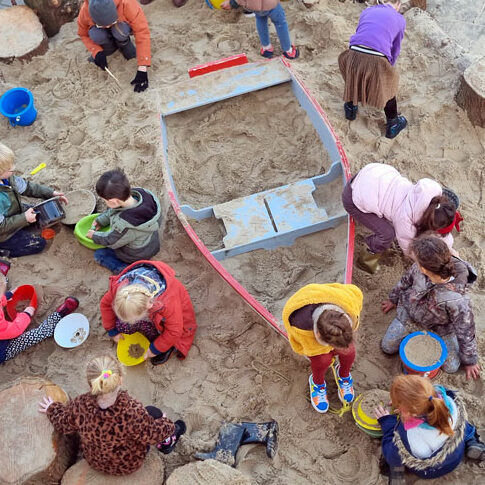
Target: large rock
<point x="30" y="451"/>
<point x="471" y="94"/>
<point x="21" y="33"/>
<point x="151" y="473"/>
<point x="208" y="472"/>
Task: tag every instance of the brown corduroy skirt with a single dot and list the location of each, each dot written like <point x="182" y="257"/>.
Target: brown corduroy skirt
<point x="369" y="80"/>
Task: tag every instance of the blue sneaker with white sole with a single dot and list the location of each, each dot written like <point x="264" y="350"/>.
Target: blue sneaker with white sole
<point x="318" y="396"/>
<point x="345" y="387"/>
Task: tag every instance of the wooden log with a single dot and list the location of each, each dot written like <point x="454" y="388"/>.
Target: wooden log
<point x="151" y="473"/>
<point x="22" y="34"/>
<point x="471" y="94"/>
<point x="53" y="14"/>
<point x="208" y="472"/>
<point x="31" y="452"/>
<point x="419" y="4"/>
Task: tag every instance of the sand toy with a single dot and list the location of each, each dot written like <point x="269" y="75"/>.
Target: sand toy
<point x="131" y="348"/>
<point x="82" y="228"/>
<point x="234" y="435"/>
<point x="22" y="297"/>
<point x="49" y="212"/>
<point x="17" y="104"/>
<point x="423" y="353"/>
<point x="72" y="330"/>
<point x="294" y="203"/>
<point x="82" y="203"/>
<point x="363" y="411"/>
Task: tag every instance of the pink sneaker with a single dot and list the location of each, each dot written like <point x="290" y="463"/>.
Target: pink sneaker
<point x="293" y="54"/>
<point x="268" y="53"/>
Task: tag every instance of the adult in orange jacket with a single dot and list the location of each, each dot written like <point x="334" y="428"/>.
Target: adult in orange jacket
<point x="106" y="25"/>
<point x="146" y="297"/>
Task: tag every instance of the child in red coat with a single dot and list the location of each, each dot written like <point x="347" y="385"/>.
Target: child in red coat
<point x="147" y="298"/>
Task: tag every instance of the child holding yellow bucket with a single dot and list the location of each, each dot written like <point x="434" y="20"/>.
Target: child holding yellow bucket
<point x="433" y="295"/>
<point x="432" y="433"/>
<point x="320" y="320"/>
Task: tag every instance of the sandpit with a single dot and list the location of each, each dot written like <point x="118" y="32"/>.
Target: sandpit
<point x="423" y="350"/>
<point x="239" y="368"/>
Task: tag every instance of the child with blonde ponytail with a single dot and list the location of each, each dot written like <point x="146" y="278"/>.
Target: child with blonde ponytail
<point x="147" y="298"/>
<point x="431" y="434"/>
<point x="115" y="430"/>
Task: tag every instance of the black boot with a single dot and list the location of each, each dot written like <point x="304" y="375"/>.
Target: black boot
<point x="474" y="448"/>
<point x="395" y="126"/>
<point x="350" y="111"/>
<point x="230" y="438"/>
<point x="163" y="357"/>
<point x="127" y="49"/>
<point x="396" y="476"/>
<point x="169" y="444"/>
<point x="264" y="433"/>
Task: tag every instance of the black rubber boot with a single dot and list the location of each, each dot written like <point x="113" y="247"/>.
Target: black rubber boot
<point x="163" y="357"/>
<point x="230" y="438"/>
<point x="350" y="111"/>
<point x="168" y="446"/>
<point x="264" y="433"/>
<point x="395" y="126"/>
<point x="127" y="49"/>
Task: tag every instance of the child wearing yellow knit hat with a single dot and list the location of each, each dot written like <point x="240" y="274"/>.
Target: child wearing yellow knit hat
<point x="320" y="320"/>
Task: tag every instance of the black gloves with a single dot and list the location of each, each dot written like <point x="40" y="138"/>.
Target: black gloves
<point x="140" y="82"/>
<point x="100" y="60"/>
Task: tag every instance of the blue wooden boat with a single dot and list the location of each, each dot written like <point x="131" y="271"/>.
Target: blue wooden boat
<point x="269" y="219"/>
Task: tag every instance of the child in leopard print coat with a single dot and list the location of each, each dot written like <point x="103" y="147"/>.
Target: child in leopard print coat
<point x="115" y="430"/>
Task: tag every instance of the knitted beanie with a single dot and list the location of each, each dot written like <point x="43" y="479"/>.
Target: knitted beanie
<point x="103" y="12"/>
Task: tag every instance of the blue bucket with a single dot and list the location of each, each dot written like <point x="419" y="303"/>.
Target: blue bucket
<point x="17" y="104"/>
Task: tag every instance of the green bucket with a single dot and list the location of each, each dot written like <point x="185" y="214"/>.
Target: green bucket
<point x="82" y="228"/>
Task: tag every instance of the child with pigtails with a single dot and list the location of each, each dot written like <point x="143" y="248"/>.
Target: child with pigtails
<point x="115" y="430"/>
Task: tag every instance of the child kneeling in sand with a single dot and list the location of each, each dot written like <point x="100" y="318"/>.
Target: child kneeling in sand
<point x="16" y="217"/>
<point x="115" y="430"/>
<point x="264" y="9"/>
<point x="433" y="295"/>
<point x="147" y="298"/>
<point x="431" y="435"/>
<point x="13" y="338"/>
<point x="134" y="216"/>
<point x="320" y="320"/>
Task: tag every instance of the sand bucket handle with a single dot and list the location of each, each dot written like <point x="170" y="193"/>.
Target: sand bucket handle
<point x="14" y="122"/>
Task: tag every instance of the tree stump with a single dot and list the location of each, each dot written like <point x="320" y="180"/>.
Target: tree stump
<point x="53" y="14"/>
<point x="471" y="94"/>
<point x="419" y="4"/>
<point x="30" y="451"/>
<point x="22" y="34"/>
<point x="151" y="473"/>
<point x="208" y="472"/>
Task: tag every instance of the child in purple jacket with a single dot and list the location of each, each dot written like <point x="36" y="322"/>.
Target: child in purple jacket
<point x="368" y="65"/>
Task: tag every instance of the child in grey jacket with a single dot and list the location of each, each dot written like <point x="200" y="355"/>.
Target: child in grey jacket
<point x="433" y="295"/>
<point x="134" y="216"/>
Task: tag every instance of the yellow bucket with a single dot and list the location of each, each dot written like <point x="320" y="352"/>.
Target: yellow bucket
<point x="215" y="3"/>
<point x="366" y="423"/>
<point x="123" y="349"/>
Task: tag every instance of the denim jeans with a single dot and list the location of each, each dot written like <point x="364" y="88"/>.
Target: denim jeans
<point x="397" y="331"/>
<point x="107" y="257"/>
<point x="23" y="243"/>
<point x="112" y="38"/>
<point x="278" y="17"/>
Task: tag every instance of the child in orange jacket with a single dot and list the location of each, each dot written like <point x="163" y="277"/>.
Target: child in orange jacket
<point x="147" y="298"/>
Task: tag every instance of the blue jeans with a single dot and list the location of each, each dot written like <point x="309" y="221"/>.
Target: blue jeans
<point x="111" y="39"/>
<point x="278" y="17"/>
<point x="107" y="257"/>
<point x="23" y="243"/>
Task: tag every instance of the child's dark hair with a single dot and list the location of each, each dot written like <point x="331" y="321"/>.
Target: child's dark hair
<point x="432" y="253"/>
<point x="439" y="214"/>
<point x="113" y="184"/>
<point x="335" y="329"/>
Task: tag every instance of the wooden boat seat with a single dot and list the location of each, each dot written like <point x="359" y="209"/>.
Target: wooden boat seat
<point x="270" y="213"/>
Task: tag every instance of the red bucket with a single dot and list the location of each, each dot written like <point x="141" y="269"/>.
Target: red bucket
<point x="25" y="293"/>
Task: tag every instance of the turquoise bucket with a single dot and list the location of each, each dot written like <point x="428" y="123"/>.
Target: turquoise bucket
<point x="17" y="104"/>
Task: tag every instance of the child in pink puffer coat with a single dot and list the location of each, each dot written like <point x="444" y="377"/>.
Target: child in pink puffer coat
<point x="391" y="206"/>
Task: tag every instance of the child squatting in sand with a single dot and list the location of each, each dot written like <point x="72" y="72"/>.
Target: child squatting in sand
<point x="134" y="216"/>
<point x="320" y="320"/>
<point x="115" y="430"/>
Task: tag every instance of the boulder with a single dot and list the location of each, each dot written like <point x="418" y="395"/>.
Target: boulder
<point x="22" y="34"/>
<point x="208" y="472"/>
<point x="471" y="94"/>
<point x="151" y="473"/>
<point x="31" y="452"/>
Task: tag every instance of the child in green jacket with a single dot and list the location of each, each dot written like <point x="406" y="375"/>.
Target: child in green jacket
<point x="134" y="216"/>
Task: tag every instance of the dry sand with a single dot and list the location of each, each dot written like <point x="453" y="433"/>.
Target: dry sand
<point x="240" y="369"/>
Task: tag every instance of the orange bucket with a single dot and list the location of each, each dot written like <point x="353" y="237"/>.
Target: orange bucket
<point x="25" y="293"/>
